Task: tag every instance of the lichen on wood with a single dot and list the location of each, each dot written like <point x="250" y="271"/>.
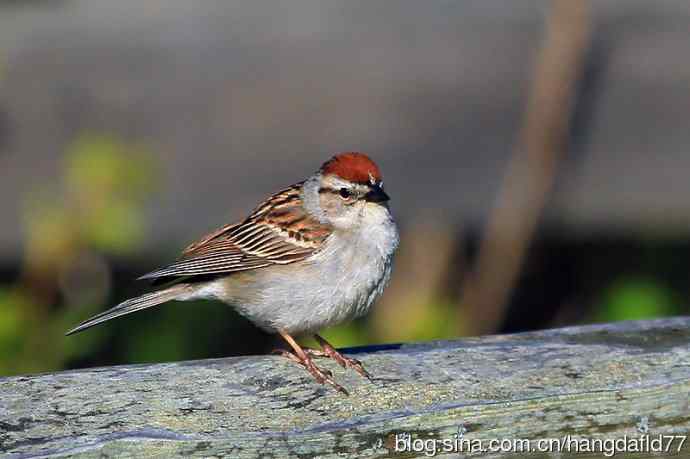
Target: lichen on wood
<point x="599" y="381"/>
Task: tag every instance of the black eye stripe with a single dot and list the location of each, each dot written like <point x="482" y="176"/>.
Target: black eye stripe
<point x="334" y="190"/>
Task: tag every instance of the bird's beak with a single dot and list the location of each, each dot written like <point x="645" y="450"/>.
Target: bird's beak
<point x="376" y="194"/>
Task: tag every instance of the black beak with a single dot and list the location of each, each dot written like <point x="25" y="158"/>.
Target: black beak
<point x="376" y="194"/>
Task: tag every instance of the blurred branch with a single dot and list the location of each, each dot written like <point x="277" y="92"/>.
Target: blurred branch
<point x="531" y="172"/>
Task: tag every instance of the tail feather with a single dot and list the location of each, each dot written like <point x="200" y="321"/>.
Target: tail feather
<point x="132" y="305"/>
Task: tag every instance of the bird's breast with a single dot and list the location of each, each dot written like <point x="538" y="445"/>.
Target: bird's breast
<point x="356" y="268"/>
<point x="337" y="283"/>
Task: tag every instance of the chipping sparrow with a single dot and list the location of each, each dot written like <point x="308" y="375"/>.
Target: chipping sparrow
<point x="312" y="255"/>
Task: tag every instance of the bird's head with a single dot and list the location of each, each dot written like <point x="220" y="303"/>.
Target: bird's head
<point x="347" y="191"/>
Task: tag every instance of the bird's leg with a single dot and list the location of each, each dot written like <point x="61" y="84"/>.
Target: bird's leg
<point x="345" y="362"/>
<point x="300" y="356"/>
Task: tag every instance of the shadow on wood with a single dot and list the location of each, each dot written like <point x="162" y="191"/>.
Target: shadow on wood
<point x="599" y="381"/>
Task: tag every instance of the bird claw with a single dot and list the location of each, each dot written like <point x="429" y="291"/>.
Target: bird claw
<point x="303" y="356"/>
<point x="321" y="375"/>
<point x="347" y="362"/>
<point x="343" y="361"/>
<point x="357" y="366"/>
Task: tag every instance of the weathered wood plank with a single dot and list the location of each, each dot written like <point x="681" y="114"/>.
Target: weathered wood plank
<point x="594" y="381"/>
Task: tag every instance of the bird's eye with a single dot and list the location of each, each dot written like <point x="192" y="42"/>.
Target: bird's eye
<point x="345" y="193"/>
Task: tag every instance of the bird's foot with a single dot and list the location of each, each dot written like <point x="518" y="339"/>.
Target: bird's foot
<point x="346" y="362"/>
<point x="322" y="376"/>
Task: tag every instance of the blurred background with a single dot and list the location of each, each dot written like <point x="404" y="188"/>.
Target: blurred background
<point x="536" y="153"/>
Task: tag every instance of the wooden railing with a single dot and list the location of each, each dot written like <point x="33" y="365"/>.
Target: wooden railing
<point x="625" y="380"/>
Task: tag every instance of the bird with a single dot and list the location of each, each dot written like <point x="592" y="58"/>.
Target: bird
<point x="315" y="254"/>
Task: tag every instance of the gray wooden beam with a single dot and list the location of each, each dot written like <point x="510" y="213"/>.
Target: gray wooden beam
<point x="600" y="381"/>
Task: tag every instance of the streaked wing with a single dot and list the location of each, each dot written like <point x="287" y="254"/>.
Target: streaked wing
<point x="277" y="232"/>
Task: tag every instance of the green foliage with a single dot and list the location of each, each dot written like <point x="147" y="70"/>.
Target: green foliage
<point x="177" y="331"/>
<point x="636" y="298"/>
<point x="345" y="335"/>
<point x="427" y="321"/>
<point x="12" y="327"/>
<point x="437" y="319"/>
<point x="108" y="180"/>
<point x="97" y="210"/>
<point x="108" y="166"/>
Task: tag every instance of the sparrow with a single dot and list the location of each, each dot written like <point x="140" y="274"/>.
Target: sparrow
<point x="312" y="255"/>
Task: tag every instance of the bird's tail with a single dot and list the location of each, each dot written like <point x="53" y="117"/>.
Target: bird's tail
<point x="133" y="305"/>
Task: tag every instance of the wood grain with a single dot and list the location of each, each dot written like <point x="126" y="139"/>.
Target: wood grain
<point x="600" y="381"/>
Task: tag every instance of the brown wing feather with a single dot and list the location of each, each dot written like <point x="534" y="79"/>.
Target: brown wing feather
<point x="279" y="231"/>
